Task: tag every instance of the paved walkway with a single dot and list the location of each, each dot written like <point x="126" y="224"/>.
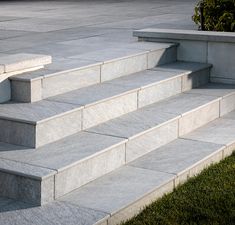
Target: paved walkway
<point x="67" y="28"/>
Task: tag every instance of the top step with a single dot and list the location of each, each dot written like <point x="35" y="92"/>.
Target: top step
<point x="19" y="63"/>
<point x="67" y="74"/>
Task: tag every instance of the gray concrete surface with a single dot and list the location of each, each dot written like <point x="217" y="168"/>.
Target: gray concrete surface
<point x="65" y="28"/>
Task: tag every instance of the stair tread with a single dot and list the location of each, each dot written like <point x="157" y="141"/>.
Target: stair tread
<point x="157" y="113"/>
<point x="34" y="112"/>
<point x="219" y="131"/>
<point x="23" y="61"/>
<point x="27" y="170"/>
<point x="118" y="189"/>
<point x="133" y="183"/>
<point x="58" y="66"/>
<point x="76" y="148"/>
<point x="124" y="186"/>
<point x="61" y="154"/>
<point x="80" y="61"/>
<point x="94" y="94"/>
<point x="113" y="53"/>
<point x="116" y="87"/>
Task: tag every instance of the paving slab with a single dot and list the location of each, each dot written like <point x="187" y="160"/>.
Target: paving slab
<point x="135" y="122"/>
<point x="144" y="79"/>
<point x="35" y="112"/>
<point x="63" y="153"/>
<point x="92" y="94"/>
<point x="176" y="156"/>
<point x="220" y="131"/>
<point x="23" y="61"/>
<point x="109" y="54"/>
<point x="117" y="190"/>
<point x="153" y="114"/>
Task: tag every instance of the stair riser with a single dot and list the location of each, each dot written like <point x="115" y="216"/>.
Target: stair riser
<point x="36" y="135"/>
<point x="59" y="83"/>
<point x="94" y="114"/>
<point x="76" y="176"/>
<point x="137" y="206"/>
<point x="84" y="172"/>
<point x="27" y="189"/>
<point x="73" y="177"/>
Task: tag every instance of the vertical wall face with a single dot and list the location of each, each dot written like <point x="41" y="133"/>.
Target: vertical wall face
<point x="5" y="90"/>
<point x="215" y="48"/>
<point x="222" y="56"/>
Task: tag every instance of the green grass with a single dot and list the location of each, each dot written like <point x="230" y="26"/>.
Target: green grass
<point x="208" y="198"/>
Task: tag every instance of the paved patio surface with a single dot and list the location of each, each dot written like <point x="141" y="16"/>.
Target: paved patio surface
<point x="67" y="28"/>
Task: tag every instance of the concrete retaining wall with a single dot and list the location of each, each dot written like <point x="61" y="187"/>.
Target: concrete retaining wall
<point x="217" y="48"/>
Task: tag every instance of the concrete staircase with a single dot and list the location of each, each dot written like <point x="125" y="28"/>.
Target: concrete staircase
<point x="105" y="133"/>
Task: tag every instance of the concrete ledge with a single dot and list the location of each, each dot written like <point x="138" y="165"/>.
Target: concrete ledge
<point x="216" y="48"/>
<point x="193" y="35"/>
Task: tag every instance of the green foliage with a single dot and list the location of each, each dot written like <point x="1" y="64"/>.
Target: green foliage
<point x="208" y="198"/>
<point x="219" y="15"/>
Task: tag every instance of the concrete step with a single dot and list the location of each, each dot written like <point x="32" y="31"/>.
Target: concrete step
<point x="124" y="192"/>
<point x="17" y="64"/>
<point x="83" y="70"/>
<point x="74" y="161"/>
<point x="119" y="195"/>
<point x="49" y="120"/>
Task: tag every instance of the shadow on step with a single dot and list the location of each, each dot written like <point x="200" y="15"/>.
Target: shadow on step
<point x="7" y="205"/>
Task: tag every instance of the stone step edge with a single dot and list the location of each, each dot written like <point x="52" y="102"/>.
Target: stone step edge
<point x="134" y="208"/>
<point x="52" y="176"/>
<point x="171" y="45"/>
<point x="81" y="107"/>
<point x="36" y="62"/>
<point x="39" y="88"/>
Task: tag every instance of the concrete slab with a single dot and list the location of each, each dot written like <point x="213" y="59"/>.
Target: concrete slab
<point x="176" y="156"/>
<point x="221" y="131"/>
<point x="23" y="61"/>
<point x="118" y="189"/>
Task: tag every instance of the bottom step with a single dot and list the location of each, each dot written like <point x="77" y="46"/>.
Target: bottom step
<point x="121" y="194"/>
